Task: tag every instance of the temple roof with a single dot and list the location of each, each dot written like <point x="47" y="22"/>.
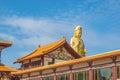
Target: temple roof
<point x="5" y="44"/>
<point x="42" y="50"/>
<point x="71" y="62"/>
<point x="4" y="68"/>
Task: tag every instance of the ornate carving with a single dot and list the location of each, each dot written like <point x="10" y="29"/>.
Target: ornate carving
<point x="77" y="43"/>
<point x="60" y="53"/>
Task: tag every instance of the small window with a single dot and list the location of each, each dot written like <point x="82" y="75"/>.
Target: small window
<point x="26" y="66"/>
<point x="36" y="63"/>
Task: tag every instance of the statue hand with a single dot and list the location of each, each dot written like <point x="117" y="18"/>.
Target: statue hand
<point x="85" y="50"/>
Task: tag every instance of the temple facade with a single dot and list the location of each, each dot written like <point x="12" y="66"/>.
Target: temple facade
<point x="62" y="61"/>
<point x="58" y="61"/>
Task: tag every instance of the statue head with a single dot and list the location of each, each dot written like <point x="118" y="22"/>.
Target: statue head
<point x="78" y="32"/>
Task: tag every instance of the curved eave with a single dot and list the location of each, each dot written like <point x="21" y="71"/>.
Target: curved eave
<point x="71" y="62"/>
<point x="4" y="68"/>
<point x="42" y="52"/>
<point x="5" y="44"/>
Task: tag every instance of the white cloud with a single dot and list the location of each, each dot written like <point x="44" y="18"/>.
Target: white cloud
<point x="43" y="31"/>
<point x="33" y="26"/>
<point x="38" y="31"/>
<point x="7" y="37"/>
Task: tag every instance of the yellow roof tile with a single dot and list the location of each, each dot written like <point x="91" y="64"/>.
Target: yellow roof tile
<point x="6" y="68"/>
<point x="43" y="50"/>
<point x="5" y="44"/>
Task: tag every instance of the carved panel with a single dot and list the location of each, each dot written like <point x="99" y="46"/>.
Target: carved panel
<point x="81" y="69"/>
<point x="34" y="73"/>
<point x="103" y="66"/>
<point x="35" y="59"/>
<point x="80" y="65"/>
<point x="64" y="68"/>
<point x="118" y="58"/>
<point x="47" y="71"/>
<point x="24" y="75"/>
<point x="60" y="53"/>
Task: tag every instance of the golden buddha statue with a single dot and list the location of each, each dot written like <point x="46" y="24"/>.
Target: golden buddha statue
<point x="77" y="43"/>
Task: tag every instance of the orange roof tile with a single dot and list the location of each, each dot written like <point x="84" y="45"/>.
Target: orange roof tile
<point x="6" y="68"/>
<point x="5" y="44"/>
<point x="71" y="62"/>
<point x="44" y="50"/>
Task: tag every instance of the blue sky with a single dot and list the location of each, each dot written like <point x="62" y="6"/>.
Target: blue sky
<point x="28" y="23"/>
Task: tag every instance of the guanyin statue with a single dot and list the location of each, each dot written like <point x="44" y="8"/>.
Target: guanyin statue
<point x="77" y="43"/>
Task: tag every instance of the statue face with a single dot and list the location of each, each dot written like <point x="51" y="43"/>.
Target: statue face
<point x="78" y="33"/>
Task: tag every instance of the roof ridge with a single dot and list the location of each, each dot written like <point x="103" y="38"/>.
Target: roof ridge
<point x="103" y="53"/>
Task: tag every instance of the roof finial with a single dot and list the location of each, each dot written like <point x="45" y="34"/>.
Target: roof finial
<point x="38" y="46"/>
<point x="64" y="37"/>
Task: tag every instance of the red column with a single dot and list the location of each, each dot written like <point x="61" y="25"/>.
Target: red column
<point x="28" y="77"/>
<point x="42" y="61"/>
<point x="90" y="71"/>
<point x="71" y="75"/>
<point x="30" y="64"/>
<point x="90" y="74"/>
<point x="21" y="76"/>
<point x="114" y="69"/>
<point x="55" y="78"/>
<point x="22" y="66"/>
<point x="41" y="78"/>
<point x="53" y="60"/>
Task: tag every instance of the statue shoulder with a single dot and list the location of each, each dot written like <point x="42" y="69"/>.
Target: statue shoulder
<point x="73" y="38"/>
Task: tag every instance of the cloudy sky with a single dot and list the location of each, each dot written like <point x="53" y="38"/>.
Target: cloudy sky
<point x="28" y="23"/>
